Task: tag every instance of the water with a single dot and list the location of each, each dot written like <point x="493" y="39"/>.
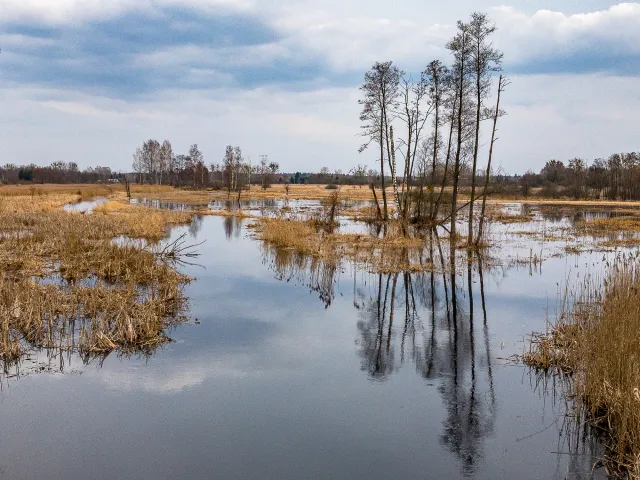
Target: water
<point x="85" y="206"/>
<point x="293" y="369"/>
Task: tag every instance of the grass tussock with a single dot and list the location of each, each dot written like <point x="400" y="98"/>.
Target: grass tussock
<point x="388" y="252"/>
<point x="497" y="214"/>
<point x="599" y="226"/>
<point x="306" y="192"/>
<point x="597" y="341"/>
<point x="66" y="281"/>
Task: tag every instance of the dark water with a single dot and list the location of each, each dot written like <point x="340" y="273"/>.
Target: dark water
<point x="292" y="369"/>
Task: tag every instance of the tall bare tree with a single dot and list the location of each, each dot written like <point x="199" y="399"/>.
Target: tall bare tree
<point x="436" y="76"/>
<point x="165" y="160"/>
<point x="484" y="60"/>
<point x="502" y="84"/>
<point x="414" y="110"/>
<point x="460" y="47"/>
<point x="381" y="90"/>
<point x="197" y="162"/>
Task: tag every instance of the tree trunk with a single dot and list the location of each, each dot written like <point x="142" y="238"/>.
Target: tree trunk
<point x="456" y="168"/>
<point x="435" y="146"/>
<point x="488" y="172"/>
<point x="394" y="178"/>
<point x="475" y="147"/>
<point x="443" y="184"/>
<point x="384" y="190"/>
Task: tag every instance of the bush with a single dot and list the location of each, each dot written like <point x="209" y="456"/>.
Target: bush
<point x="331" y="186"/>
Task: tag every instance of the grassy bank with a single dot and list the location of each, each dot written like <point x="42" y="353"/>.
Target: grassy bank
<point x="597" y="341"/>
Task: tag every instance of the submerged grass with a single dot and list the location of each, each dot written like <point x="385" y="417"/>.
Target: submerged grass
<point x="597" y="341"/>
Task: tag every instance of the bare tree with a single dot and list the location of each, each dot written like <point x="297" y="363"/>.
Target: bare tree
<point x="228" y="160"/>
<point x="197" y="162"/>
<point x="437" y="75"/>
<point x="138" y="164"/>
<point x="381" y="90"/>
<point x="484" y="60"/>
<point x="502" y="84"/>
<point x="414" y="111"/>
<point x="165" y="160"/>
<point x="460" y="48"/>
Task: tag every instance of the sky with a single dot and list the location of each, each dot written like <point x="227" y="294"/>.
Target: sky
<point x="89" y="80"/>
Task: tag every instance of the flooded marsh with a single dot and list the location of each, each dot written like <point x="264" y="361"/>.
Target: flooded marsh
<point x="286" y="364"/>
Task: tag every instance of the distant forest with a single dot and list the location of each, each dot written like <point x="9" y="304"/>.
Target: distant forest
<point x="614" y="178"/>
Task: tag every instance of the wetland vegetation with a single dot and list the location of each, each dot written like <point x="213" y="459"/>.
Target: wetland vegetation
<point x="187" y="287"/>
<point x="85" y="283"/>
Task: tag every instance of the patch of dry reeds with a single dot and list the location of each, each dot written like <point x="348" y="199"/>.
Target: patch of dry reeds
<point x="597" y="341"/>
<point x="66" y="282"/>
<point x="391" y="251"/>
<point x="599" y="226"/>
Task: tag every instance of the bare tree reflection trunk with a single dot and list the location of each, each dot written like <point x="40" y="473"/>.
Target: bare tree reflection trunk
<point x="486" y="335"/>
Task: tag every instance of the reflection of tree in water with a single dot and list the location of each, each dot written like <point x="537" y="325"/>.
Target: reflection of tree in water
<point x="318" y="275"/>
<point x="233" y="226"/>
<point x="470" y="411"/>
<point x="427" y="319"/>
<point x="196" y="225"/>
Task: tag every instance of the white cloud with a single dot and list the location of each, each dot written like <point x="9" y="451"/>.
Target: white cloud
<point x="357" y="42"/>
<point x="73" y="11"/>
<point x="523" y="35"/>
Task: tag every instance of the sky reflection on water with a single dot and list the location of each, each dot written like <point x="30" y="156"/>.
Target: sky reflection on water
<point x="300" y="371"/>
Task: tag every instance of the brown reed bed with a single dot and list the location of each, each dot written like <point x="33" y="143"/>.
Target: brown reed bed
<point x="65" y="282"/>
<point x="596" y="341"/>
<point x="600" y="226"/>
<point x="497" y="215"/>
<point x="388" y="252"/>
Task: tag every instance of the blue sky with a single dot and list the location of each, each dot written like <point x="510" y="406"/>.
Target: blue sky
<point x="89" y="80"/>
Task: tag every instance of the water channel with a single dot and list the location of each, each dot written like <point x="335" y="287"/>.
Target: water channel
<point x="293" y="369"/>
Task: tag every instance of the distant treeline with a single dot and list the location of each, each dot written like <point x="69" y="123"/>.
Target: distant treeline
<point x="57" y="172"/>
<point x="614" y="178"/>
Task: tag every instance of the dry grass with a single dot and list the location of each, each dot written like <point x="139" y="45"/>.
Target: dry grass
<point x="507" y="218"/>
<point x="597" y="340"/>
<point x="629" y="242"/>
<point x="598" y="226"/>
<point x="390" y="252"/>
<point x="65" y="283"/>
<point x="307" y="192"/>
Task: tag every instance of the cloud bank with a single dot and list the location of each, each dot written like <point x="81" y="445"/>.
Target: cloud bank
<point x="283" y="79"/>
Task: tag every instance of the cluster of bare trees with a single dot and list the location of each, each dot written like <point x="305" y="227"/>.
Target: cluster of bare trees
<point x="437" y="120"/>
<point x="614" y="178"/>
<point x="57" y="172"/>
<point x="158" y="164"/>
<point x="236" y="173"/>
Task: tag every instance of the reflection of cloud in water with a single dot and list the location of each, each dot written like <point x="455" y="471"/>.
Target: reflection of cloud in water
<point x="176" y="377"/>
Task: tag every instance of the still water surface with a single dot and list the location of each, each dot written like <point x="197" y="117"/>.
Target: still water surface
<point x="290" y="370"/>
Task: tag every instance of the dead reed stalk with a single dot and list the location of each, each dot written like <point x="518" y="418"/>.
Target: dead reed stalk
<point x="597" y="341"/>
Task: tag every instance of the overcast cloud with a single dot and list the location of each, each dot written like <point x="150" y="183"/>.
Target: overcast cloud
<point x="89" y="80"/>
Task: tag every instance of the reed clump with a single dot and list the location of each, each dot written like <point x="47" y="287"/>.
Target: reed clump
<point x="90" y="283"/>
<point x="388" y="251"/>
<point x="597" y="341"/>
<point x="500" y="216"/>
<point x="598" y="226"/>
